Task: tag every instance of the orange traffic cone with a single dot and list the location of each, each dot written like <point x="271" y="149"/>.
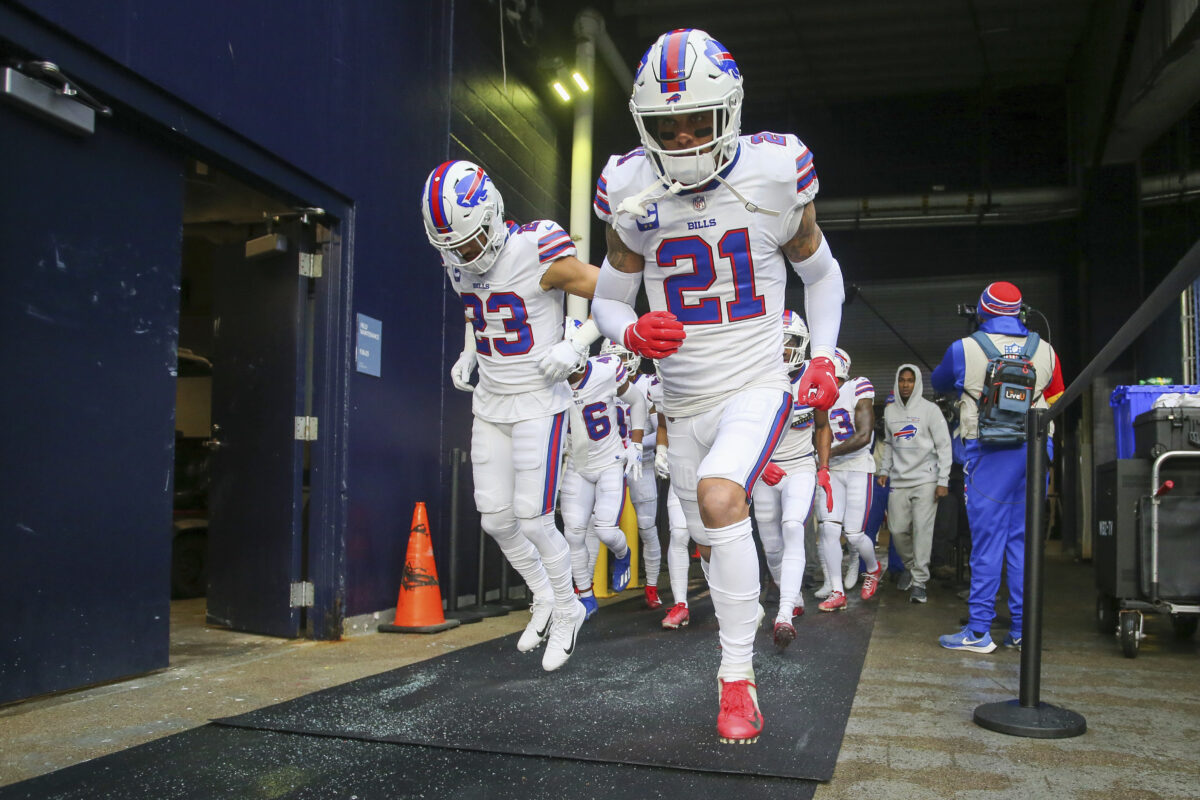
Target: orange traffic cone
<point x="419" y="606"/>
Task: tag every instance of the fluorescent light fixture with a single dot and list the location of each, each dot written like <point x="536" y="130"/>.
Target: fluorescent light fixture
<point x="580" y="82"/>
<point x="562" y="91"/>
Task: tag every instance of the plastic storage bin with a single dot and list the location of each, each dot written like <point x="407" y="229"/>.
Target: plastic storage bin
<point x="1129" y="401"/>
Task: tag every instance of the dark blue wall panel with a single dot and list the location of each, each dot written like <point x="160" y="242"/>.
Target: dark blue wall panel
<point x="88" y="324"/>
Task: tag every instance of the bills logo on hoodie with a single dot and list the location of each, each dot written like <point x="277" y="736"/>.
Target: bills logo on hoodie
<point x="906" y="433"/>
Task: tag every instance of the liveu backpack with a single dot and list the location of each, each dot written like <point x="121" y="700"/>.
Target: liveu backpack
<point x="1009" y="389"/>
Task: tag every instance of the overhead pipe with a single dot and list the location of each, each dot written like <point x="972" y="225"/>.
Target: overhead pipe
<point x="1005" y="207"/>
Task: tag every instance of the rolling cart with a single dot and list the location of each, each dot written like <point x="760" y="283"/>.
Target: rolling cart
<point x="1148" y="547"/>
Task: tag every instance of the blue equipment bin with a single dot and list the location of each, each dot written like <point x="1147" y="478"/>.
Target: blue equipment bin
<point x="1129" y="401"/>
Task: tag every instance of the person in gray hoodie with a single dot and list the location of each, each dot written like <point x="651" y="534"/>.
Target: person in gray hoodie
<point x="916" y="462"/>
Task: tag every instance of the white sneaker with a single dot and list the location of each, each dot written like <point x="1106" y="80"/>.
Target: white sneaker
<point x="564" y="628"/>
<point x="539" y="625"/>
<point x="825" y="590"/>
<point x="850" y="580"/>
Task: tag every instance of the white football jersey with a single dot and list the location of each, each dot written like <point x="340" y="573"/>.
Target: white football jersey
<point x="841" y="421"/>
<point x="594" y="420"/>
<point x="516" y="323"/>
<point x="715" y="265"/>
<point x="797" y="443"/>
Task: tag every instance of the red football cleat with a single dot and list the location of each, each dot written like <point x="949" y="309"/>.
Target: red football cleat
<point x="652" y="600"/>
<point x="871" y="582"/>
<point x="740" y="721"/>
<point x="835" y="602"/>
<point x="798" y="611"/>
<point x="677" y="617"/>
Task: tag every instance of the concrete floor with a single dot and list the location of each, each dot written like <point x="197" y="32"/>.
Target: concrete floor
<point x="910" y="732"/>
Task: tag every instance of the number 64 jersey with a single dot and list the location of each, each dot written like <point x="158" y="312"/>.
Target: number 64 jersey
<point x="716" y="265"/>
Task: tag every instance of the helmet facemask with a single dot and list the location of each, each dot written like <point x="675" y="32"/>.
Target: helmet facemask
<point x="631" y="360"/>
<point x="691" y="167"/>
<point x="488" y="237"/>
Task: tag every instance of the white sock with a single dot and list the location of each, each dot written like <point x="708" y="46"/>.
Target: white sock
<point x="678" y="565"/>
<point x="831" y="555"/>
<point x="733" y="584"/>
<point x="651" y="554"/>
<point x="861" y="544"/>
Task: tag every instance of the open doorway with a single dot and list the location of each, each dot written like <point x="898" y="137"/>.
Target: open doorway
<point x="243" y="376"/>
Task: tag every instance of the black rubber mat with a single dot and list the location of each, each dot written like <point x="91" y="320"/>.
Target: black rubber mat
<point x="222" y="762"/>
<point x="633" y="693"/>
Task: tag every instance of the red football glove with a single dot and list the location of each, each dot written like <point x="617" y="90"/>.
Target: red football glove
<point x="655" y="335"/>
<point x="773" y="474"/>
<point x="818" y="387"/>
<point x="823" y="482"/>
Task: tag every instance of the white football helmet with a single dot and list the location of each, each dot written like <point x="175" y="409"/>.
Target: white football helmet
<point x="841" y="364"/>
<point x="687" y="71"/>
<point x="630" y="359"/>
<point x="462" y="207"/>
<point x="795" y="339"/>
<point x="570" y="325"/>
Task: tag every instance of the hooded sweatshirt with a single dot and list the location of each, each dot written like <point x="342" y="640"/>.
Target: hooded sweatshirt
<point x="918" y="440"/>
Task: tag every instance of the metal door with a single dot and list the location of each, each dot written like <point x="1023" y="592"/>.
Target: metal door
<point x="89" y="315"/>
<point x="256" y="499"/>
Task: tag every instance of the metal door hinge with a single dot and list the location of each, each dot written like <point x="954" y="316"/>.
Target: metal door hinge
<point x="301" y="595"/>
<point x="306" y="429"/>
<point x="310" y="265"/>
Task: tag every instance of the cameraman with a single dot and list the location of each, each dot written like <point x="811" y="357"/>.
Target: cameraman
<point x="994" y="474"/>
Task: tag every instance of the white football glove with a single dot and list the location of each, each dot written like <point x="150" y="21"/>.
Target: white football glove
<point x="561" y="360"/>
<point x="633" y="461"/>
<point x="660" y="461"/>
<point x="460" y="373"/>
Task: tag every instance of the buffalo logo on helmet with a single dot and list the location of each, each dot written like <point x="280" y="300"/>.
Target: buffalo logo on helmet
<point x="906" y="433"/>
<point x="721" y="58"/>
<point x="471" y="189"/>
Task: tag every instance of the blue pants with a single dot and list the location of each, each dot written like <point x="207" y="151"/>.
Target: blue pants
<point x="995" y="490"/>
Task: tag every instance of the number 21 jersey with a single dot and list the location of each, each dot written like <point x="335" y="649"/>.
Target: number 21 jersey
<point x="716" y="265"/>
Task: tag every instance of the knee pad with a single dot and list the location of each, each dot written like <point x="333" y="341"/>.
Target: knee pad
<point x="647" y="514"/>
<point x="695" y="527"/>
<point x="500" y="525"/>
<point x="542" y="531"/>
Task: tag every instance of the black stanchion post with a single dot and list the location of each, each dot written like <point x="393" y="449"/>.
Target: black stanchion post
<point x="464" y="615"/>
<point x="1028" y="716"/>
<point x="452" y="583"/>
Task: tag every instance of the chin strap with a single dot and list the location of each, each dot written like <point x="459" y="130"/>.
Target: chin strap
<point x="636" y="205"/>
<point x="753" y="208"/>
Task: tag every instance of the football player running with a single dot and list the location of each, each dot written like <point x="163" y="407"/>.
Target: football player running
<point x="851" y="472"/>
<point x="783" y="499"/>
<point x="593" y="488"/>
<point x="511" y="279"/>
<point x="710" y="220"/>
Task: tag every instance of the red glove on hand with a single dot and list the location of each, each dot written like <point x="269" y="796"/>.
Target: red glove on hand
<point x="823" y="482"/>
<point x="818" y="387"/>
<point x="655" y="335"/>
<point x="773" y="474"/>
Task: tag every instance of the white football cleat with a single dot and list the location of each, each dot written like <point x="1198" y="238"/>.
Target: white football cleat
<point x="539" y="625"/>
<point x="564" y="630"/>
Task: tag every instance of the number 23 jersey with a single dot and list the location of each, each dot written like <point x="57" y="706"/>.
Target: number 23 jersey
<point x="717" y="266"/>
<point x="841" y="421"/>
<point x="516" y="322"/>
